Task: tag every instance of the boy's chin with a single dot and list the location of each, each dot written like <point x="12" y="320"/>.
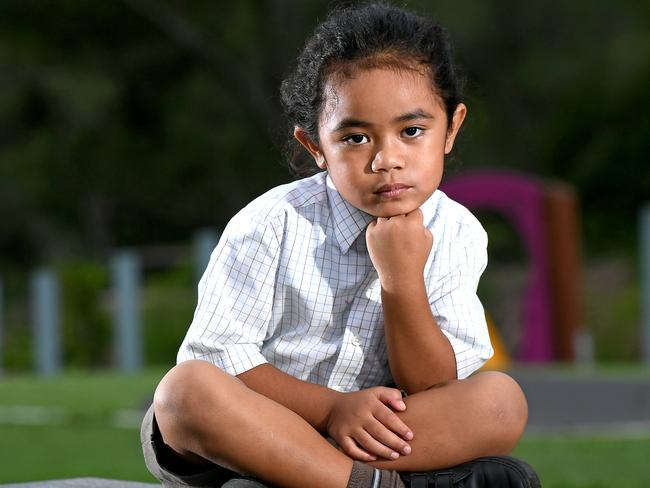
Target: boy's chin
<point x="396" y="212"/>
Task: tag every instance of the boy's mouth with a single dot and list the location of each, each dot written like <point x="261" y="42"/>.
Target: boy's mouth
<point x="393" y="190"/>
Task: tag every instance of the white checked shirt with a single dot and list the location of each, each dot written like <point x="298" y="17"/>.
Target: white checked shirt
<point x="291" y="283"/>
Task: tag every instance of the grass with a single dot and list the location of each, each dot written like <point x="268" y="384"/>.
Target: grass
<point x="83" y="439"/>
<point x="588" y="462"/>
<point x="32" y="453"/>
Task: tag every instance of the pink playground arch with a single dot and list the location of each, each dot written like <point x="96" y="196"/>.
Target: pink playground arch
<point x="520" y="199"/>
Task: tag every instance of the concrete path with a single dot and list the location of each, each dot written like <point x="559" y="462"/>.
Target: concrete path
<point x="586" y="402"/>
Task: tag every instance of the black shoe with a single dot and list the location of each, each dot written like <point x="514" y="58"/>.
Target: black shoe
<point x="485" y="472"/>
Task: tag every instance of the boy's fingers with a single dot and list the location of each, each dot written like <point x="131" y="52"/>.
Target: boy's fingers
<point x="391" y="421"/>
<point x="393" y="398"/>
<point x="397" y="404"/>
<point x="388" y="438"/>
<point x="374" y="447"/>
<point x="351" y="448"/>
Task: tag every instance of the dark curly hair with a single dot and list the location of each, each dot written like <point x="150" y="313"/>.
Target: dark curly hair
<point x="370" y="36"/>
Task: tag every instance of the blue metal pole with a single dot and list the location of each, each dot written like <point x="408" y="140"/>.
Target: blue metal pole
<point x="127" y="323"/>
<point x="645" y="282"/>
<point x="46" y="313"/>
<point x="205" y="240"/>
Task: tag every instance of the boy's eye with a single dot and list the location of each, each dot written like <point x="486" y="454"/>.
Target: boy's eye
<point x="355" y="139"/>
<point x="412" y="131"/>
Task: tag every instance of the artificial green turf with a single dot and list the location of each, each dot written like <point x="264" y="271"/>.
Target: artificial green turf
<point x="86" y="442"/>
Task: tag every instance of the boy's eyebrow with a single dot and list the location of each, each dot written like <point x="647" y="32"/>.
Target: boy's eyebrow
<point x="415" y="114"/>
<point x="349" y="122"/>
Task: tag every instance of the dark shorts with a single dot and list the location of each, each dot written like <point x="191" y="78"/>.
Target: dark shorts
<point x="172" y="471"/>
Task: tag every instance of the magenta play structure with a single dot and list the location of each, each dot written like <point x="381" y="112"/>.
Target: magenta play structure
<point x="530" y="205"/>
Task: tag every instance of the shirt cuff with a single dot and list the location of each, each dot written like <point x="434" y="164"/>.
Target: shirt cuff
<point x="468" y="358"/>
<point x="234" y="359"/>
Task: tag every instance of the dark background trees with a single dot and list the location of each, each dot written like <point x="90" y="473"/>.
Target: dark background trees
<point x="136" y="121"/>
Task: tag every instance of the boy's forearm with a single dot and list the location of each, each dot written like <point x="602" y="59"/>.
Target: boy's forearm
<point x="312" y="402"/>
<point x="419" y="354"/>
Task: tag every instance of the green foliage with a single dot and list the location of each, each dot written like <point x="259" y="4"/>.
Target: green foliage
<point x="168" y="305"/>
<point x="16" y="334"/>
<point x="612" y="311"/>
<point x="86" y="323"/>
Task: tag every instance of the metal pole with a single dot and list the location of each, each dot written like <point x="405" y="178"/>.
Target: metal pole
<point x="205" y="240"/>
<point x="46" y="312"/>
<point x="645" y="282"/>
<point x="2" y="309"/>
<point x="127" y="323"/>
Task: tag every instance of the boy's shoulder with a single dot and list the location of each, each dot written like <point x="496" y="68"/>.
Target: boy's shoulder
<point x="456" y="221"/>
<point x="280" y="200"/>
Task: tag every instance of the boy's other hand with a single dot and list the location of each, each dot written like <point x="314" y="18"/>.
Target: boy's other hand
<point x="399" y="247"/>
<point x="366" y="427"/>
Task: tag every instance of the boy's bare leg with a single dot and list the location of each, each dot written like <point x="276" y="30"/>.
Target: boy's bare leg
<point x="462" y="420"/>
<point x="203" y="412"/>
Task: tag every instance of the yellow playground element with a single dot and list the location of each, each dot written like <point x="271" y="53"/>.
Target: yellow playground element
<point x="501" y="359"/>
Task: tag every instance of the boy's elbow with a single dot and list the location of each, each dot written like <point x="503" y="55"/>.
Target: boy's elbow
<point x="428" y="383"/>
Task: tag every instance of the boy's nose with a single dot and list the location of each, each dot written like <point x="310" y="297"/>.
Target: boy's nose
<point x="387" y="159"/>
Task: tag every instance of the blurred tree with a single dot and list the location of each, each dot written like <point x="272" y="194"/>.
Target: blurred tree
<point x="136" y="121"/>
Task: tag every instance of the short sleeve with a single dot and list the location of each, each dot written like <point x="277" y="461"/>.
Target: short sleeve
<point x="455" y="304"/>
<point x="235" y="297"/>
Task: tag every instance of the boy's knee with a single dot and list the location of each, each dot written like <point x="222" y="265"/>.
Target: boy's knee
<point x="507" y="406"/>
<point x="186" y="391"/>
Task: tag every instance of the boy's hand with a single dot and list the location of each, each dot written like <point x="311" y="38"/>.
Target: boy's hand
<point x="399" y="247"/>
<point x="365" y="426"/>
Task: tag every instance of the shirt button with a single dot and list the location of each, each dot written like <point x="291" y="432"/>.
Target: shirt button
<point x="356" y="341"/>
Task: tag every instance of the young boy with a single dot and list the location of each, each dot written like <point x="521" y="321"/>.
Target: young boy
<point x="338" y="318"/>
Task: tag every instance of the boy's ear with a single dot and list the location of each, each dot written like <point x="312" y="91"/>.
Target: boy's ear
<point x="302" y="137"/>
<point x="452" y="131"/>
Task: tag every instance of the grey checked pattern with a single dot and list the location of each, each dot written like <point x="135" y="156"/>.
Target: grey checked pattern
<point x="291" y="283"/>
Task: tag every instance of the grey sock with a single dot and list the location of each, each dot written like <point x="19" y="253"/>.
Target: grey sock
<point x="364" y="476"/>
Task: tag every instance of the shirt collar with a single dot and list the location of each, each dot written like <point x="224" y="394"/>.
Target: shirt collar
<point x="430" y="208"/>
<point x="349" y="222"/>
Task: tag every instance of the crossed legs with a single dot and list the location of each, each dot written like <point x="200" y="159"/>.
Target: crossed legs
<point x="206" y="415"/>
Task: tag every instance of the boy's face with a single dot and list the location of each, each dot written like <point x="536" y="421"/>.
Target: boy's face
<point x="383" y="136"/>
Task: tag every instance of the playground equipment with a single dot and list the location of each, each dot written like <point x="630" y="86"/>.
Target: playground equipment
<point x="500" y="360"/>
<point x="545" y="215"/>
